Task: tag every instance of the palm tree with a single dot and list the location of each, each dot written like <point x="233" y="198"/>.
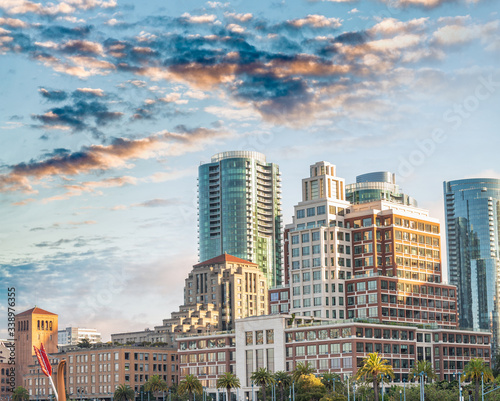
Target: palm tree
<point x="155" y="384"/>
<point x="124" y="393"/>
<point x="228" y="381"/>
<point x="263" y="378"/>
<point x="474" y="370"/>
<point x="283" y="380"/>
<point x="328" y="378"/>
<point x="20" y="394"/>
<point x="423" y="366"/>
<point x="302" y="369"/>
<point x="190" y="385"/>
<point x="374" y="369"/>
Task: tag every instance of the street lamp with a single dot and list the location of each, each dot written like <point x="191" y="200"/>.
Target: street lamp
<point x="459" y="374"/>
<point x="404" y="389"/>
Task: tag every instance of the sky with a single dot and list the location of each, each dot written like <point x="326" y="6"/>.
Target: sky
<point x="109" y="106"/>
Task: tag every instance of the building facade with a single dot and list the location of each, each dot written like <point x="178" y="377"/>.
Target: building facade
<point x="74" y="335"/>
<point x="95" y="373"/>
<point x="472" y="225"/>
<point x="33" y="327"/>
<point x="239" y="195"/>
<point x="319" y="246"/>
<point x="280" y="342"/>
<point x="216" y="293"/>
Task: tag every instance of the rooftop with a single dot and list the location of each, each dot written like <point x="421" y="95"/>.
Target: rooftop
<point x="224" y="258"/>
<point x="35" y="311"/>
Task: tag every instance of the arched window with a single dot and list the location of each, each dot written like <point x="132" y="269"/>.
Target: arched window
<point x="50" y="325"/>
<point x="46" y="325"/>
<point x="43" y="325"/>
<point x="27" y="325"/>
<point x="38" y="325"/>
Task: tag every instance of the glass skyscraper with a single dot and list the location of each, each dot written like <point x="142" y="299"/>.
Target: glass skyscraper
<point x="472" y="225"/>
<point x="239" y="197"/>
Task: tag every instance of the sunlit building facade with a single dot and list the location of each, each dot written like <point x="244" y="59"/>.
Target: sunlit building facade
<point x="239" y="196"/>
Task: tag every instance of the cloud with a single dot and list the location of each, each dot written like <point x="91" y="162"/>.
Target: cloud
<point x="53" y="95"/>
<point x="460" y="34"/>
<point x="98" y="158"/>
<point x="197" y="19"/>
<point x="13" y="22"/>
<point x="76" y="116"/>
<point x="63" y="7"/>
<point x="316" y="21"/>
<point x="90" y="91"/>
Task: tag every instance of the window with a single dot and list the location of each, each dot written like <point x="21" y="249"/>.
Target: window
<point x="317" y="275"/>
<point x="316" y="249"/>
<point x="295" y="239"/>
<point x="306" y="251"/>
<point x="296" y="278"/>
<point x="321" y="210"/>
<point x="306" y="289"/>
<point x="311" y="211"/>
<point x="295" y="252"/>
<point x="306" y="276"/>
<point x="305" y="237"/>
<point x="301" y="214"/>
<point x="307" y="302"/>
<point x="316" y="236"/>
<point x="317" y="288"/>
<point x="249" y="338"/>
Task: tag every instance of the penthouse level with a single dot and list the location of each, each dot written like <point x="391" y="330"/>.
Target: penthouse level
<point x="280" y="342"/>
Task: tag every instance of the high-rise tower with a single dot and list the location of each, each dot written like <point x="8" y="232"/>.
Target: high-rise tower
<point x="239" y="196"/>
<point x="472" y="224"/>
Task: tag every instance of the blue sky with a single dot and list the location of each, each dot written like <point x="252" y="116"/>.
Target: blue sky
<point x="108" y="107"/>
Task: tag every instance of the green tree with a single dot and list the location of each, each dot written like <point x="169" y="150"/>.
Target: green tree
<point x="423" y="366"/>
<point x="302" y="369"/>
<point x="228" y="381"/>
<point x="124" y="393"/>
<point x="85" y="343"/>
<point x="474" y="370"/>
<point x="329" y="379"/>
<point x="263" y="378"/>
<point x="283" y="380"/>
<point x="20" y="394"/>
<point x="155" y="384"/>
<point x="310" y="388"/>
<point x="190" y="385"/>
<point x="374" y="369"/>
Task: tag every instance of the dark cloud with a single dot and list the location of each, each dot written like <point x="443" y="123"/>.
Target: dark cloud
<point x="58" y="32"/>
<point x="78" y="116"/>
<point x="157" y="203"/>
<point x="53" y="95"/>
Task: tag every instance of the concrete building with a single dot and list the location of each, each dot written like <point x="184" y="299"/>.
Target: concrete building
<point x="279" y="342"/>
<point x="74" y="335"/>
<point x="319" y="246"/>
<point x="7" y="377"/>
<point x="217" y="292"/>
<point x="33" y="327"/>
<point x="239" y="196"/>
<point x="95" y="373"/>
<point x="473" y="231"/>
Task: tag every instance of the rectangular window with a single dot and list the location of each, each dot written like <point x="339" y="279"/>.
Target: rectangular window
<point x="301" y="214"/>
<point x="321" y="210"/>
<point x="311" y="211"/>
<point x="305" y="237"/>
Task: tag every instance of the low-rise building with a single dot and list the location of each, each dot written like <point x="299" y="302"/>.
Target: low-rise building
<point x="279" y="342"/>
<point x="74" y="335"/>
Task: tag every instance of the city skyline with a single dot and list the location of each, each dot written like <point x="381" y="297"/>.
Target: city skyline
<point x="113" y="106"/>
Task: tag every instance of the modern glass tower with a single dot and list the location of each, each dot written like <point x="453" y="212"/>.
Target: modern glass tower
<point x="239" y="211"/>
<point x="379" y="185"/>
<point x="472" y="225"/>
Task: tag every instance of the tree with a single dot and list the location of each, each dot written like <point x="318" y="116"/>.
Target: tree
<point x="474" y="370"/>
<point x="423" y="366"/>
<point x="85" y="343"/>
<point x="310" y="388"/>
<point x="302" y="369"/>
<point x="190" y="385"/>
<point x="20" y="394"/>
<point x="328" y="379"/>
<point x="228" y="381"/>
<point x="263" y="378"/>
<point x="283" y="380"/>
<point x="124" y="393"/>
<point x="155" y="384"/>
<point x="373" y="369"/>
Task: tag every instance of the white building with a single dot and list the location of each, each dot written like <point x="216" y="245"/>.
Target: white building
<point x="320" y="246"/>
<point x="74" y="335"/>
